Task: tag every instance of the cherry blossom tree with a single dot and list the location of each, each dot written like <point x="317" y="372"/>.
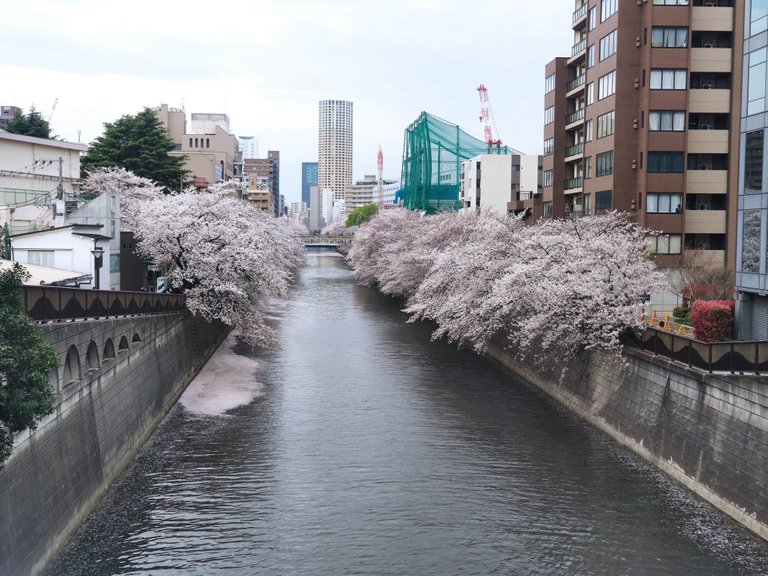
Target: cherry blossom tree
<point x="556" y="287"/>
<point x="226" y="256"/>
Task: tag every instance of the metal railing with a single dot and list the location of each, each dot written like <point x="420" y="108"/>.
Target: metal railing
<point x="732" y="357"/>
<point x="580" y="47"/>
<point x="325" y="240"/>
<point x="574" y="116"/>
<point x="579" y="13"/>
<point x="48" y="303"/>
<point x="576" y="82"/>
<point x="574" y="183"/>
<point x="574" y="150"/>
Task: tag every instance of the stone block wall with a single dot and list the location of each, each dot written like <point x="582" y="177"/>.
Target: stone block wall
<point x="708" y="431"/>
<point x="118" y="379"/>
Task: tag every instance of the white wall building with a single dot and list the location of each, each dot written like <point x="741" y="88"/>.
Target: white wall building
<point x="334" y="160"/>
<point x="66" y="248"/>
<point x="33" y="172"/>
<point x="490" y="181"/>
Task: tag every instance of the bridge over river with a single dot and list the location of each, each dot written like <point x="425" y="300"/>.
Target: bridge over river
<point x="319" y="241"/>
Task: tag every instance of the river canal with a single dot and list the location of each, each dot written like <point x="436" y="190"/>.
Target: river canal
<point x="360" y="447"/>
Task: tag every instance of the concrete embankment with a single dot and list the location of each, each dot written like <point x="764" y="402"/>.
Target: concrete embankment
<point x="708" y="431"/>
<point x="118" y="379"/>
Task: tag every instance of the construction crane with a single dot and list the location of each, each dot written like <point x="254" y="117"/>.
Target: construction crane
<point x="380" y="162"/>
<point x="50" y="114"/>
<point x="486" y="117"/>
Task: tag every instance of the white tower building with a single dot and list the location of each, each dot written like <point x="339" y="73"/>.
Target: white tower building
<point x="334" y="161"/>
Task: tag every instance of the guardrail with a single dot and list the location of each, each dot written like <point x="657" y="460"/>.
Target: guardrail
<point x="732" y="357"/>
<point x="48" y="303"/>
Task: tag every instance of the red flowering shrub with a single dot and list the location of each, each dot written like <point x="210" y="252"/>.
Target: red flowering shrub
<point x="713" y="319"/>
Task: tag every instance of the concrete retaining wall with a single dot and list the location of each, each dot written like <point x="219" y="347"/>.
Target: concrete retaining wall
<point x="117" y="380"/>
<point x="708" y="431"/>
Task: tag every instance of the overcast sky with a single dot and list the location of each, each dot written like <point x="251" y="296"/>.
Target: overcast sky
<point x="267" y="63"/>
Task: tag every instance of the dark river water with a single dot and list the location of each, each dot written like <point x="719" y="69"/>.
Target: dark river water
<point x="360" y="447"/>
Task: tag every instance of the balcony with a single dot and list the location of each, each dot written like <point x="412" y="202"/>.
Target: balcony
<point x="705" y="221"/>
<point x="580" y="13"/>
<point x="574" y="118"/>
<point x="706" y="182"/>
<point x="708" y="141"/>
<point x="707" y="258"/>
<point x="712" y="19"/>
<point x="711" y="59"/>
<point x="578" y="51"/>
<point x="575" y="84"/>
<point x="574" y="185"/>
<point x="703" y="100"/>
<point x="574" y="152"/>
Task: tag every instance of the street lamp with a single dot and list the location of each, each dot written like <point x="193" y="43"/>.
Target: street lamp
<point x="98" y="255"/>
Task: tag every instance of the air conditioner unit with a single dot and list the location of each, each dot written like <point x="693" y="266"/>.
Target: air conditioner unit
<point x="706" y="86"/>
<point x="704" y="166"/>
<point x="705" y="125"/>
<point x="708" y="45"/>
<point x="709" y="3"/>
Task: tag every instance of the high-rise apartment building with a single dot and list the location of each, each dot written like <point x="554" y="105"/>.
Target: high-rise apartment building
<point x="752" y="217"/>
<point x="308" y="179"/>
<point x="264" y="181"/>
<point x="643" y="117"/>
<point x="334" y="160"/>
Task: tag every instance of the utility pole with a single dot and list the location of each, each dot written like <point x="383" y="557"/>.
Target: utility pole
<point x="60" y="187"/>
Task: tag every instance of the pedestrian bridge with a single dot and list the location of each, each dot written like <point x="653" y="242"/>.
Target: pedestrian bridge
<point x="317" y="241"/>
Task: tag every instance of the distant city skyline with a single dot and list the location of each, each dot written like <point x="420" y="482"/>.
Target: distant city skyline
<point x="81" y="66"/>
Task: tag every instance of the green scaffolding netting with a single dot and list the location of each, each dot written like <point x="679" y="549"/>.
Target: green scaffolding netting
<point x="433" y="151"/>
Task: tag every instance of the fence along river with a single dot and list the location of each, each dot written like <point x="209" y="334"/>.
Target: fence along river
<point x="360" y="447"/>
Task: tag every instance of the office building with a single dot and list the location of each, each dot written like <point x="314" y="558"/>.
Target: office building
<point x="308" y="179"/>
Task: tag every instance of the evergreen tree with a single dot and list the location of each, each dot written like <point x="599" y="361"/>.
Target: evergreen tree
<point x="139" y="144"/>
<point x="31" y="124"/>
<point x="26" y="360"/>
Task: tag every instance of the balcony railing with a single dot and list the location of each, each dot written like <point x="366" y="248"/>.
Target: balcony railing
<point x="580" y="47"/>
<point x="575" y="116"/>
<point x="574" y="150"/>
<point x="574" y="183"/>
<point x="576" y="82"/>
<point x="580" y="13"/>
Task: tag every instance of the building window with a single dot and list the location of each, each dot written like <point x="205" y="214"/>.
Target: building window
<point x="608" y="8"/>
<point x="591" y="56"/>
<point x="588" y="167"/>
<point x="753" y="161"/>
<point x="669" y="37"/>
<point x="666" y="121"/>
<point x="549" y="84"/>
<point x="587" y="204"/>
<point x="668" y="79"/>
<point x="549" y="115"/>
<point x="605" y="124"/>
<point x="606" y="85"/>
<point x="750" y="241"/>
<point x="41" y="258"/>
<point x="608" y="46"/>
<point x="665" y="162"/>
<point x="756" y="82"/>
<point x="549" y="145"/>
<point x="758" y="17"/>
<point x="604" y="163"/>
<point x="666" y="243"/>
<point x="590" y="93"/>
<point x="547" y="178"/>
<point x="592" y="18"/>
<point x="588" y="131"/>
<point x="547" y="209"/>
<point x="664" y="203"/>
<point x="670" y="2"/>
<point x="603" y="201"/>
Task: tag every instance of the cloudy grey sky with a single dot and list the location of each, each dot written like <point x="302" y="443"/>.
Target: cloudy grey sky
<point x="267" y="63"/>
